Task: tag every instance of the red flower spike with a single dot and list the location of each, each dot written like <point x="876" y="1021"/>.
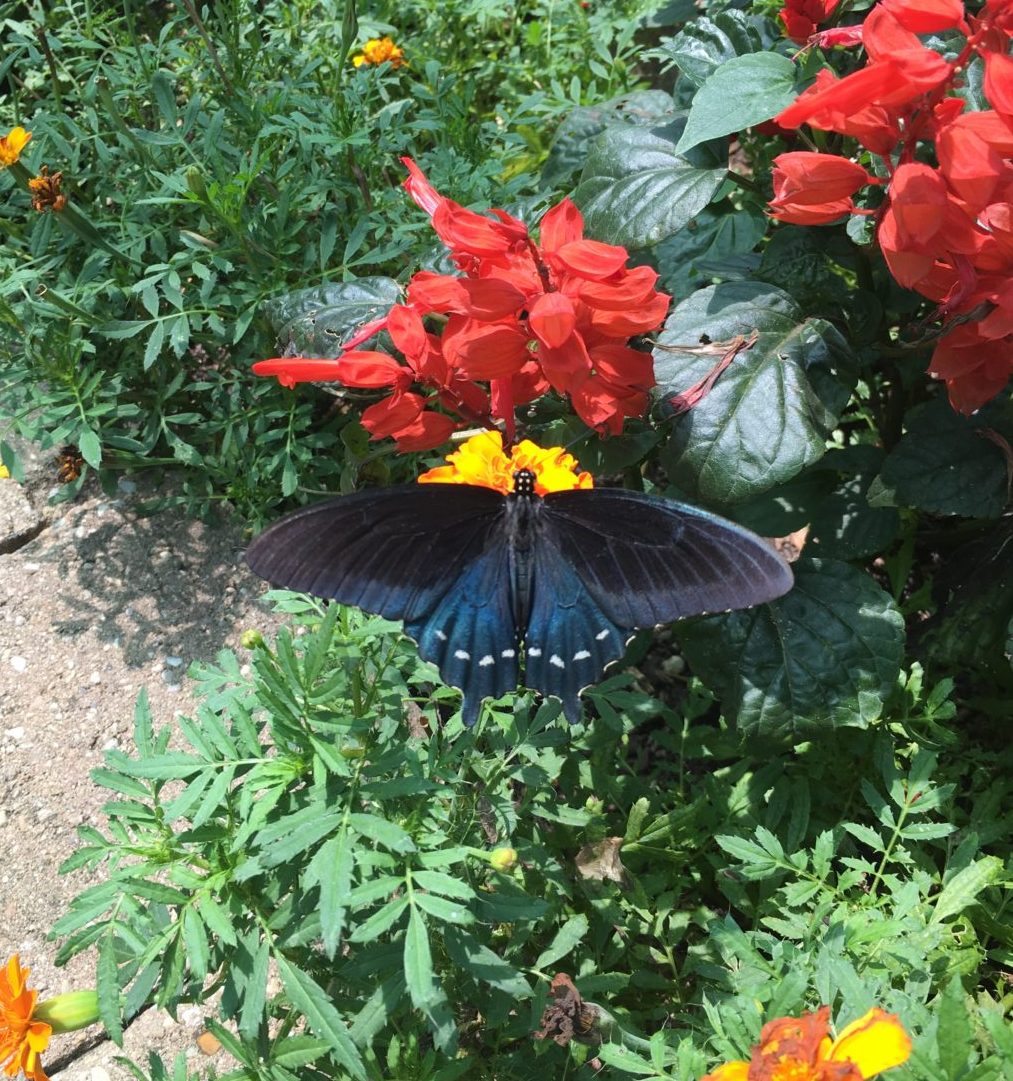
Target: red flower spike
<point x="485" y="350"/>
<point x="829" y="100"/>
<point x="428" y="431"/>
<point x="630" y="290"/>
<point x="552" y="318"/>
<point x="624" y="324"/>
<point x="292" y="370"/>
<point x="999" y="83"/>
<point x="808" y="179"/>
<point x="623" y="366"/>
<point x="390" y="415"/>
<point x="563" y="224"/>
<point x="975" y="369"/>
<point x="926" y="16"/>
<point x="801" y="17"/>
<point x="590" y="259"/>
<point x="971" y="167"/>
<point x="918" y="198"/>
<point x="426" y="197"/>
<point x="844" y="36"/>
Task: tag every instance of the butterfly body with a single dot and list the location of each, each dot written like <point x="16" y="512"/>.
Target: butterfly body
<point x="493" y="586"/>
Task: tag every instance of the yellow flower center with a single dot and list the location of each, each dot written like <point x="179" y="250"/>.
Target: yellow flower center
<point x="482" y="461"/>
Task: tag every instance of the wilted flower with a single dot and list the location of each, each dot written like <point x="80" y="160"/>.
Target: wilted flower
<point x="45" y="189"/>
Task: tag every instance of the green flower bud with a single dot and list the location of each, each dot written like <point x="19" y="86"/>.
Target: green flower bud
<point x="251" y="639"/>
<point x="69" y="1012"/>
<point x="352" y="748"/>
<point x="195" y="182"/>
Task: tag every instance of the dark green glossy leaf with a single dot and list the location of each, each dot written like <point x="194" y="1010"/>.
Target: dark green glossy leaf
<point x="314" y="322"/>
<point x="770" y="412"/>
<point x="827" y="653"/>
<point x="718" y="242"/>
<point x="844" y="525"/>
<point x="947" y="464"/>
<point x="740" y="93"/>
<point x="635" y="190"/>
<point x="570" y="144"/>
<point x="703" y="45"/>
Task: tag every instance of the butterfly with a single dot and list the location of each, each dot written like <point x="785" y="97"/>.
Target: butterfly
<point x="492" y="585"/>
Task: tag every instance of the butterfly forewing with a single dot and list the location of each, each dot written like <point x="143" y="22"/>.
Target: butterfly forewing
<point x="395" y="552"/>
<point x="647" y="560"/>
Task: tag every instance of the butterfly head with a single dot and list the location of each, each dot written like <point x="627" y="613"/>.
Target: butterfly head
<point x="524" y="482"/>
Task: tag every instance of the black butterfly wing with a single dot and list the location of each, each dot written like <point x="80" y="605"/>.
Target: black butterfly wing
<point x="394" y="551"/>
<point x="646" y="560"/>
<point x="435" y="556"/>
<point x="569" y="639"/>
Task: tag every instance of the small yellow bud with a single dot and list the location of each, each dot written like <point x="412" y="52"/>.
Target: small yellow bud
<point x="503" y="859"/>
<point x="69" y="1012"/>
<point x="251" y="639"/>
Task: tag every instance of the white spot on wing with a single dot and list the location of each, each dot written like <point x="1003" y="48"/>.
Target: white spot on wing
<point x="602" y="635"/>
<point x="508" y="653"/>
<point x="462" y="654"/>
<point x="581" y="655"/>
<point x="442" y="637"/>
<point x="486" y="661"/>
<point x="534" y="651"/>
<point x="557" y="661"/>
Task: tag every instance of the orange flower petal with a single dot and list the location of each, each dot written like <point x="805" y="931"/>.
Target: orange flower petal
<point x="875" y="1042"/>
<point x="730" y="1071"/>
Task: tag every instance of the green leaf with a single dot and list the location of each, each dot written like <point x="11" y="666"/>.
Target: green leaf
<point x="321" y="1016"/>
<point x="482" y="964"/>
<point x="418" y="962"/>
<point x="635" y="190"/>
<point x="255" y="992"/>
<point x="317" y="320"/>
<point x="963" y="889"/>
<point x="566" y="939"/>
<point x="107" y="985"/>
<point x="438" y="882"/>
<point x="386" y="833"/>
<point x="740" y="93"/>
<point x="331" y="869"/>
<point x="445" y="910"/>
<point x="89" y="445"/>
<point x="703" y="45"/>
<point x="954" y="1037"/>
<point x="570" y="143"/>
<point x="946" y="464"/>
<point x="770" y="412"/>
<point x="826" y="653"/>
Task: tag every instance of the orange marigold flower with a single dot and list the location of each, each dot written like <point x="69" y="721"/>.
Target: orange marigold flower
<point x="482" y="461"/>
<point x="378" y="50"/>
<point x="45" y="189"/>
<point x="800" y="1049"/>
<point x="11" y="146"/>
<point x="22" y="1038"/>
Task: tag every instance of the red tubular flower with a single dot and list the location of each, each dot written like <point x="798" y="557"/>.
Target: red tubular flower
<point x="999" y="83"/>
<point x="975" y="369"/>
<point x="926" y="16"/>
<point x="807" y="179"/>
<point x="801" y="17"/>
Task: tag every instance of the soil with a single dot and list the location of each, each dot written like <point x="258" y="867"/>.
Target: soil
<point x="96" y="602"/>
